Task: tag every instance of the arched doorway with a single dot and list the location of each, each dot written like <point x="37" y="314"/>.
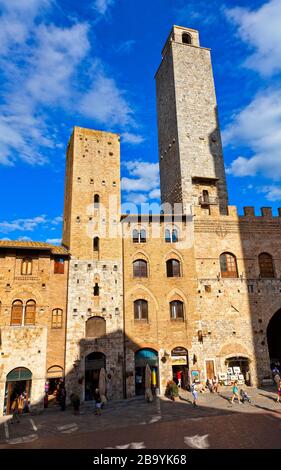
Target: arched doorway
<point x="179" y="357"/>
<point x="93" y="364"/>
<point x="274" y="339"/>
<point x="18" y="382"/>
<point x="243" y="363"/>
<point x="143" y="357"/>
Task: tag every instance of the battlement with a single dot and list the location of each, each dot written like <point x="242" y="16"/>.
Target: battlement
<point x="249" y="213"/>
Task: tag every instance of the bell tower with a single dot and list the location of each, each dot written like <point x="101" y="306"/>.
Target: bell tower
<point x="190" y="149"/>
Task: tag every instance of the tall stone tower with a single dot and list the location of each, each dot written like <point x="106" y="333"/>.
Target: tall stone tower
<point x="190" y="149"/>
<point x="92" y="234"/>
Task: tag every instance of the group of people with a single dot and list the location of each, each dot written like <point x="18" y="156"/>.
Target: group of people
<point x="19" y="406"/>
<point x="213" y="386"/>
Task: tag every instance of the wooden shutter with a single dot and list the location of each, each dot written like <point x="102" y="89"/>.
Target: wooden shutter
<point x="17" y="312"/>
<point x="59" y="266"/>
<point x="57" y="318"/>
<point x="30" y="310"/>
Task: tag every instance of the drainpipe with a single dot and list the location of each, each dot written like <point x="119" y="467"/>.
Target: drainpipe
<point x="124" y="324"/>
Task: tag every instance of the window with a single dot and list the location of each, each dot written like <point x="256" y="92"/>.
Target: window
<point x="96" y="200"/>
<point x="205" y="196"/>
<point x="171" y="236"/>
<point x="26" y="267"/>
<point x="228" y="265"/>
<point x="186" y="38"/>
<point x="140" y="268"/>
<point x="30" y="310"/>
<point x="266" y="265"/>
<point x="139" y="236"/>
<point x="17" y="313"/>
<point x="96" y="244"/>
<point x="173" y="268"/>
<point x="176" y="310"/>
<point x="141" y="309"/>
<point x="57" y="318"/>
<point x="59" y="266"/>
<point x="96" y="290"/>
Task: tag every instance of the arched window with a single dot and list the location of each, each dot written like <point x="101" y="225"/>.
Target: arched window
<point x="96" y="244"/>
<point x="266" y="265"/>
<point x="205" y="194"/>
<point x="26" y="266"/>
<point x="96" y="290"/>
<point x="186" y="38"/>
<point x="140" y="268"/>
<point x="173" y="268"/>
<point x="228" y="265"/>
<point x="95" y="327"/>
<point x="30" y="310"/>
<point x="141" y="309"/>
<point x="17" y="313"/>
<point x="139" y="236"/>
<point x="176" y="310"/>
<point x="96" y="200"/>
<point x="171" y="236"/>
<point x="57" y="318"/>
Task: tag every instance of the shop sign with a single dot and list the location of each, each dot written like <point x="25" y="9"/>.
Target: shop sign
<point x="179" y="360"/>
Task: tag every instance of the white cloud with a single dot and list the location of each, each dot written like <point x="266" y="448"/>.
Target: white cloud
<point x="272" y="192"/>
<point x="125" y="47"/>
<point x="54" y="241"/>
<point x="142" y="184"/>
<point x="22" y="225"/>
<point x="261" y="30"/>
<point x="129" y="138"/>
<point x="105" y="103"/>
<point x="257" y="127"/>
<point x="25" y="239"/>
<point x="102" y="5"/>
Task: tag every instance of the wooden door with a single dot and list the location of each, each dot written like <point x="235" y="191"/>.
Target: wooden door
<point x="210" y="369"/>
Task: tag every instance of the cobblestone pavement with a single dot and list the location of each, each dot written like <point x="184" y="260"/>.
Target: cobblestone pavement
<point x="135" y="419"/>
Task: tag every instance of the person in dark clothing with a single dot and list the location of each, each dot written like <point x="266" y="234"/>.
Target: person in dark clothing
<point x="62" y="397"/>
<point x="98" y="402"/>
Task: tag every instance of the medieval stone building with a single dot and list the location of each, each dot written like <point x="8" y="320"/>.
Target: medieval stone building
<point x="195" y="288"/>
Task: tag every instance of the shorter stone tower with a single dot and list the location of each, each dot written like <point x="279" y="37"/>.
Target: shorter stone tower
<point x="190" y="150"/>
<point x="92" y="234"/>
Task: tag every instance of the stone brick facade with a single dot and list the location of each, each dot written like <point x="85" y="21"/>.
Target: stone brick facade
<point x="40" y="346"/>
<point x="123" y="304"/>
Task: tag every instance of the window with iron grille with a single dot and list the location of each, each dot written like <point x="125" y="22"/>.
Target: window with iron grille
<point x="140" y="268"/>
<point x="173" y="268"/>
<point x="141" y="309"/>
<point x="228" y="265"/>
<point x="266" y="265"/>
<point x="176" y="310"/>
<point x="57" y="318"/>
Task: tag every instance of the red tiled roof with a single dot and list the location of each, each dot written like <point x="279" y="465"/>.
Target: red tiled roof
<point x="54" y="249"/>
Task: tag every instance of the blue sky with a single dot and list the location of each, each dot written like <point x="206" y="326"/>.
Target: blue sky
<point x="92" y="64"/>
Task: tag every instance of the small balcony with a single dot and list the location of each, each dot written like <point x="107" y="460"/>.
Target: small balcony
<point x="208" y="201"/>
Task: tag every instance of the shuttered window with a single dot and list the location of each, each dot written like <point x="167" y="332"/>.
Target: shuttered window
<point x="266" y="265"/>
<point x="30" y="310"/>
<point x="173" y="268"/>
<point x="59" y="266"/>
<point x="140" y="268"/>
<point x="228" y="265"/>
<point x="26" y="267"/>
<point x="17" y="313"/>
<point x="57" y="318"/>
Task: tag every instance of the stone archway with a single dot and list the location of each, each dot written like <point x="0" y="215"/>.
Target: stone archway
<point x="274" y="338"/>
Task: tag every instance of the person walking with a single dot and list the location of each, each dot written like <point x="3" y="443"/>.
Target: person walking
<point x="235" y="393"/>
<point x="278" y="391"/>
<point x="194" y="393"/>
<point x="179" y="374"/>
<point x="215" y="384"/>
<point x="15" y="410"/>
<point x="62" y="397"/>
<point x="98" y="402"/>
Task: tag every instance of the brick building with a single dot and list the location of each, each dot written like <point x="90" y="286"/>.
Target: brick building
<point x="195" y="288"/>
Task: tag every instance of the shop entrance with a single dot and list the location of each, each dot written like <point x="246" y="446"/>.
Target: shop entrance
<point x="18" y="383"/>
<point x="143" y="357"/>
<point x="94" y="362"/>
<point x="243" y="363"/>
<point x="179" y="358"/>
<point x="274" y="340"/>
<point x="55" y="377"/>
